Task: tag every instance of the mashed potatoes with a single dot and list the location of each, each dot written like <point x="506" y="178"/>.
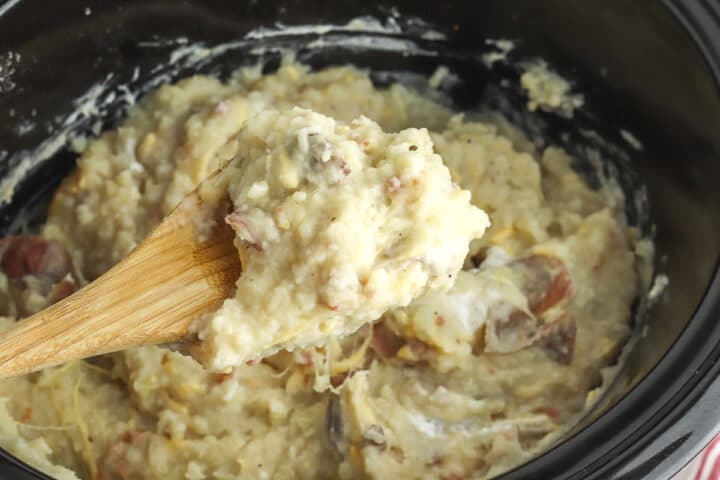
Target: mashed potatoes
<point x="336" y="224"/>
<point x="463" y="383"/>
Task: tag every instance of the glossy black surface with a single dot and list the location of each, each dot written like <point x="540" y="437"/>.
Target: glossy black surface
<point x="646" y="66"/>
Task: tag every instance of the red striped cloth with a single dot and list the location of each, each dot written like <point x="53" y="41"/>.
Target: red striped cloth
<point x="705" y="466"/>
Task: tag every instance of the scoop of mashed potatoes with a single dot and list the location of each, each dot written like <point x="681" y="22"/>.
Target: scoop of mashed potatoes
<point x="336" y="223"/>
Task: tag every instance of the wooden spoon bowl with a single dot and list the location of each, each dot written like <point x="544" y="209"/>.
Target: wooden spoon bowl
<point x="153" y="296"/>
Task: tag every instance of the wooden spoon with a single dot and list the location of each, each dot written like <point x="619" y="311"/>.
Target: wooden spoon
<point x="151" y="297"/>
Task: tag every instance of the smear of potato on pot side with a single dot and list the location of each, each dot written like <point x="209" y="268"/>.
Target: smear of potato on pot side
<point x="335" y="224"/>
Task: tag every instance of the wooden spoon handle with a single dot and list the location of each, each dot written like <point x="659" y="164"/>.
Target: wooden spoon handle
<point x="150" y="297"/>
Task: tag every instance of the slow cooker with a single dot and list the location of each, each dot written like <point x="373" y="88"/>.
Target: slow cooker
<point x="648" y="67"/>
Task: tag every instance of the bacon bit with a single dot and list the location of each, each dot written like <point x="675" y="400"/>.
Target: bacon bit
<point x="393" y="184"/>
<point x="222" y="377"/>
<point x="31" y="255"/>
<point x="439" y="320"/>
<point x="397" y="453"/>
<point x="413" y="148"/>
<point x="478" y="345"/>
<point x="345" y="169"/>
<point x="511" y="333"/>
<point x="545" y="280"/>
<point x="557" y="339"/>
<point x="416" y="346"/>
<point x="385" y="342"/>
<point x="27" y="258"/>
<point x="479" y="257"/>
<point x="560" y="289"/>
<point x="28" y="255"/>
<point x="497" y="416"/>
<point x="26" y="416"/>
<point x="339" y="379"/>
<point x="61" y="290"/>
<point x="551" y="412"/>
<point x="598" y="263"/>
<point x="132" y="437"/>
<point x="546" y="283"/>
